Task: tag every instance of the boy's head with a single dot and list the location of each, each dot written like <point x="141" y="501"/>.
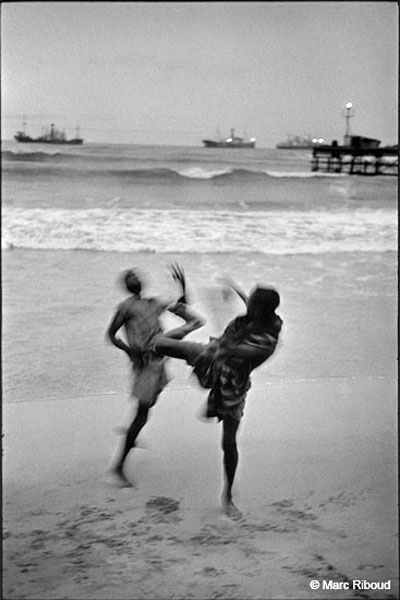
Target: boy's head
<point x="262" y="303"/>
<point x="132" y="281"/>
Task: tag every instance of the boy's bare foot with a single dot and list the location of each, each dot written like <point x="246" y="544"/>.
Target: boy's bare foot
<point x="119" y="479"/>
<point x="230" y="510"/>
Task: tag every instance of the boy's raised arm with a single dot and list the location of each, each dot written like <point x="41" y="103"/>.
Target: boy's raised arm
<point x="230" y="284"/>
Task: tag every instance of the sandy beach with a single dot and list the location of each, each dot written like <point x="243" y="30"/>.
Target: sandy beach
<point x="317" y="477"/>
<point x="247" y="141"/>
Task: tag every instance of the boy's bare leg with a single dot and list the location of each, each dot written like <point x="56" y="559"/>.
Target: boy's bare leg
<point x="176" y="348"/>
<point x="136" y="426"/>
<point x="231" y="459"/>
<point x="170" y="343"/>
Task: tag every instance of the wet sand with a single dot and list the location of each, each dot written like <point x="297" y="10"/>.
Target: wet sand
<point x="317" y="477"/>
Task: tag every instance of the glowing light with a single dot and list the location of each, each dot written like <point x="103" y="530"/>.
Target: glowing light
<point x="252" y="139"/>
<point x="349" y="105"/>
<point x="321" y="141"/>
<point x="229" y="139"/>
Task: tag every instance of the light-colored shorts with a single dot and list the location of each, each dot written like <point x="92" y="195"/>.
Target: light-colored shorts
<point x="149" y="382"/>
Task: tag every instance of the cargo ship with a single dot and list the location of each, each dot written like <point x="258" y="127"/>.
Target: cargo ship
<point x="232" y="141"/>
<point x="53" y="136"/>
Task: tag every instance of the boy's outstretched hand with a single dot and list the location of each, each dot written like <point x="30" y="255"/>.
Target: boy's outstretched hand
<point x="178" y="275"/>
<point x="231" y="286"/>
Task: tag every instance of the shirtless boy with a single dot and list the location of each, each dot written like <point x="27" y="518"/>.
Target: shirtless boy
<point x="139" y="318"/>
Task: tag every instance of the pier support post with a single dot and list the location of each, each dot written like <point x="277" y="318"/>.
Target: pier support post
<point x="355" y="160"/>
<point x="328" y="164"/>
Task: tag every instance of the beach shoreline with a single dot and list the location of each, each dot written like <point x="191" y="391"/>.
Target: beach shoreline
<point x="61" y="311"/>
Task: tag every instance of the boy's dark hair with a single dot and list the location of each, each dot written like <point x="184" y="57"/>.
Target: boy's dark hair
<point x="266" y="299"/>
<point x="132" y="281"/>
<point x="261" y="305"/>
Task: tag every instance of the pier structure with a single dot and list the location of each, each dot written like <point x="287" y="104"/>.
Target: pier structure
<point x="356" y="160"/>
<point x="359" y="155"/>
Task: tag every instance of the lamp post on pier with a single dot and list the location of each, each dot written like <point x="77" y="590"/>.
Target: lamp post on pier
<point x="348" y="115"/>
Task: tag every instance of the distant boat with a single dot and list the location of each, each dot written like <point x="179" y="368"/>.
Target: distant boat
<point x="301" y="142"/>
<point x="230" y="142"/>
<point x="54" y="136"/>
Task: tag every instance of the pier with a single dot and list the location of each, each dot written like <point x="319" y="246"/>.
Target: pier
<point x="359" y="155"/>
<point x="356" y="160"/>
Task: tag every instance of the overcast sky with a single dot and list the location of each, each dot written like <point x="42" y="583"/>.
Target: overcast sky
<point x="172" y="73"/>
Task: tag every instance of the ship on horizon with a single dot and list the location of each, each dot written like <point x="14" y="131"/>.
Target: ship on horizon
<point x="301" y="142"/>
<point x="52" y="136"/>
<point x="232" y="141"/>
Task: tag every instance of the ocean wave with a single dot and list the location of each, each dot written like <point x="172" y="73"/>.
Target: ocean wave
<point x="175" y="231"/>
<point x="93" y="168"/>
<point x="52" y="154"/>
<point x="247" y="174"/>
<point x="39" y="156"/>
<point x="194" y="172"/>
<point x="302" y="174"/>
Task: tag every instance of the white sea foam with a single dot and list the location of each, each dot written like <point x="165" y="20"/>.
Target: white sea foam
<point x="132" y="230"/>
<point x="202" y="172"/>
<point x="302" y="174"/>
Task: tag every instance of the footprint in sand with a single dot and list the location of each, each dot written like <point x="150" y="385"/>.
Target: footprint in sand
<point x="293" y="516"/>
<point x="316" y="566"/>
<point x="162" y="509"/>
<point x="211" y="572"/>
<point x="283" y="503"/>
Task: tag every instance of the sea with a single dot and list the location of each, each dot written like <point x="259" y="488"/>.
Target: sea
<point x="73" y="217"/>
<point x="176" y="199"/>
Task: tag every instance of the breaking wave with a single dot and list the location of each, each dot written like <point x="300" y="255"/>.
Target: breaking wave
<point x="20" y="161"/>
<point x="203" y="231"/>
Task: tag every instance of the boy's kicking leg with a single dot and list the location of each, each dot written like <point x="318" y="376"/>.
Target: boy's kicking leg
<point x="175" y="348"/>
